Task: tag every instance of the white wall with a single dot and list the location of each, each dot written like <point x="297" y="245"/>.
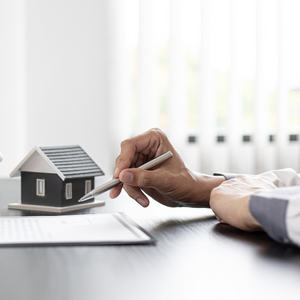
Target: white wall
<point x="52" y="78"/>
<point x="12" y="96"/>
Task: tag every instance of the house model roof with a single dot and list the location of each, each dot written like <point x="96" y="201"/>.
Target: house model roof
<point x="67" y="162"/>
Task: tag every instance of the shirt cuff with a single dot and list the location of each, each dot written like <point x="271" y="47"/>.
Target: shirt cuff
<point x="270" y="210"/>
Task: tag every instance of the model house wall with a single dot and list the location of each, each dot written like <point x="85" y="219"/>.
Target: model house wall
<point x="50" y="189"/>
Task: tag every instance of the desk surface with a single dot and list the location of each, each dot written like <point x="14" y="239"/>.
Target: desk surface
<point x="195" y="257"/>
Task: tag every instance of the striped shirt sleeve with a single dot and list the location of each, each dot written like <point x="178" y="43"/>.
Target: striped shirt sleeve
<point x="278" y="212"/>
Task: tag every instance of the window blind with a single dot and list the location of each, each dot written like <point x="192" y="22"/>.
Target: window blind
<point x="225" y="101"/>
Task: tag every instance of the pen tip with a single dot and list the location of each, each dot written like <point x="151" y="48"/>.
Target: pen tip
<point x="86" y="197"/>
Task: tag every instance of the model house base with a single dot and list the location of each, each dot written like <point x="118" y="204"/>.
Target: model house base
<point x="53" y="209"/>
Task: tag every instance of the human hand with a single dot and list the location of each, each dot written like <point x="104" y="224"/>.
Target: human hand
<point x="230" y="200"/>
<point x="172" y="183"/>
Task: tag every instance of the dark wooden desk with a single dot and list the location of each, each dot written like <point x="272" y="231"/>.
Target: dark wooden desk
<point x="194" y="258"/>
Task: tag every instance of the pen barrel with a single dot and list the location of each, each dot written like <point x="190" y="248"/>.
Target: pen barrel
<point x="106" y="187"/>
<point x="154" y="162"/>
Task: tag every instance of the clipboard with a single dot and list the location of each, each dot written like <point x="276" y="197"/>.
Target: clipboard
<point x="87" y="229"/>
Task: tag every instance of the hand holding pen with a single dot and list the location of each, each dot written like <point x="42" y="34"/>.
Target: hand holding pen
<point x="172" y="183"/>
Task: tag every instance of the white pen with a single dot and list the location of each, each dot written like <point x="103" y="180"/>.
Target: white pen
<point x="116" y="181"/>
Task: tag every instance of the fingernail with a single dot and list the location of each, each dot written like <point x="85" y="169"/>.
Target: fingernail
<point x="115" y="172"/>
<point x="141" y="201"/>
<point x="127" y="177"/>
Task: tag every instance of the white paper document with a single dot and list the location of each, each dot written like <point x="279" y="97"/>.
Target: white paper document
<point x="105" y="228"/>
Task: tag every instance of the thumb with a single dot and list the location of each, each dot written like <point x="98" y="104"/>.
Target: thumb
<point x="141" y="178"/>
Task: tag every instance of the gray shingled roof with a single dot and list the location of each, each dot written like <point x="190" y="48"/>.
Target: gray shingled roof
<point x="72" y="161"/>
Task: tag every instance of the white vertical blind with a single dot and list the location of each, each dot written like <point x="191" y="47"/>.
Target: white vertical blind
<point x="261" y="134"/>
<point x="148" y="100"/>
<point x="235" y="103"/>
<point x="207" y="108"/>
<point x="117" y="76"/>
<point x="248" y="84"/>
<point x="282" y="100"/>
<point x="178" y="99"/>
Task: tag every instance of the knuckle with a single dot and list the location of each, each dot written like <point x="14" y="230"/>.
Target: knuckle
<point x="122" y="162"/>
<point x="125" y="143"/>
<point x="157" y="132"/>
<point x="119" y="159"/>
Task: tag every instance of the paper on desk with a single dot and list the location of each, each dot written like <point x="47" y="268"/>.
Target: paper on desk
<point x="114" y="228"/>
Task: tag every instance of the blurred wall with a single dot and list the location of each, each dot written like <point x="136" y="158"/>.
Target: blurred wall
<point x="13" y="127"/>
<point x="52" y="78"/>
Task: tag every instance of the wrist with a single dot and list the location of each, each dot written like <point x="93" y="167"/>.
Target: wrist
<point x="205" y="184"/>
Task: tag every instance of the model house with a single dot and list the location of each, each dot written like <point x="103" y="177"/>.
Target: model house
<point x="56" y="176"/>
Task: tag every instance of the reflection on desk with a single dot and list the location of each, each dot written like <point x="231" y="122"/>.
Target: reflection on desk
<point x="195" y="258"/>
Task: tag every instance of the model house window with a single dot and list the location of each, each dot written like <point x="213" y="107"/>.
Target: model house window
<point x="88" y="186"/>
<point x="69" y="191"/>
<point x="40" y="187"/>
